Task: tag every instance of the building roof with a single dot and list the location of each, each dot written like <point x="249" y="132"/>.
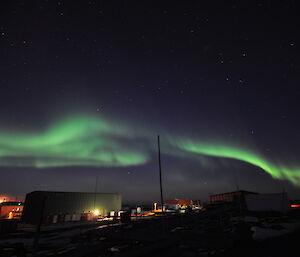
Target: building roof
<point x="236" y="192"/>
<point x="11" y="203"/>
<point x="69" y="192"/>
<point x="182" y="202"/>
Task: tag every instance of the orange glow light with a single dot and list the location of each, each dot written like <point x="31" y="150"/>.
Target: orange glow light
<point x="295" y="205"/>
<point x="10" y="215"/>
<point x="149" y="214"/>
<point x="96" y="212"/>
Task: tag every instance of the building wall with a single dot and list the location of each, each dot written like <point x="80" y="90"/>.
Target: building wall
<point x="183" y="202"/>
<point x="221" y="198"/>
<point x="268" y="202"/>
<point x="230" y="197"/>
<point x="68" y="203"/>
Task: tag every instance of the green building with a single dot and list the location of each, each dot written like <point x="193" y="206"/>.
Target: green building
<point x="71" y="206"/>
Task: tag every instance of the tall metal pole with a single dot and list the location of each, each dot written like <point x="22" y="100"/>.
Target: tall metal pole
<point x="160" y="181"/>
<point x="95" y="195"/>
<point x="283" y="197"/>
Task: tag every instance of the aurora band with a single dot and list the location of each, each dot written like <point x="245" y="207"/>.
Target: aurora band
<point x="227" y="151"/>
<point x="94" y="141"/>
<point x="75" y="141"/>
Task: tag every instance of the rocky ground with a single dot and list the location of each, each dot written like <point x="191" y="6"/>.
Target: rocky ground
<point x="194" y="234"/>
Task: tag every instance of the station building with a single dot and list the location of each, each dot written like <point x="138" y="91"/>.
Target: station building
<point x="230" y="197"/>
<point x="51" y="207"/>
<point x="252" y="201"/>
<point x="177" y="204"/>
<point x="11" y="209"/>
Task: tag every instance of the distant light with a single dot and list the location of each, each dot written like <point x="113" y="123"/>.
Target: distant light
<point x="96" y="212"/>
<point x="10" y="215"/>
<point x="295" y="205"/>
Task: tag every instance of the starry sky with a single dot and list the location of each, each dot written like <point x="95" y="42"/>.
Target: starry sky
<point x="86" y="87"/>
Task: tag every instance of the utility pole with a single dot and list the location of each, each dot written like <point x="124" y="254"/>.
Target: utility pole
<point x="160" y="180"/>
<point x="283" y="198"/>
<point x="96" y="189"/>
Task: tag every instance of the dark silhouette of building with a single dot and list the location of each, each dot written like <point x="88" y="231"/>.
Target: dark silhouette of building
<point x="231" y="197"/>
<point x="59" y="207"/>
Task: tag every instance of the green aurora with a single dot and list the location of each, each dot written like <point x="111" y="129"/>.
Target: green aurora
<point x="226" y="151"/>
<point x="77" y="141"/>
<point x="93" y="141"/>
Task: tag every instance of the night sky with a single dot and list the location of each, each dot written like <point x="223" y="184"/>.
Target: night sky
<point x="86" y="87"/>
